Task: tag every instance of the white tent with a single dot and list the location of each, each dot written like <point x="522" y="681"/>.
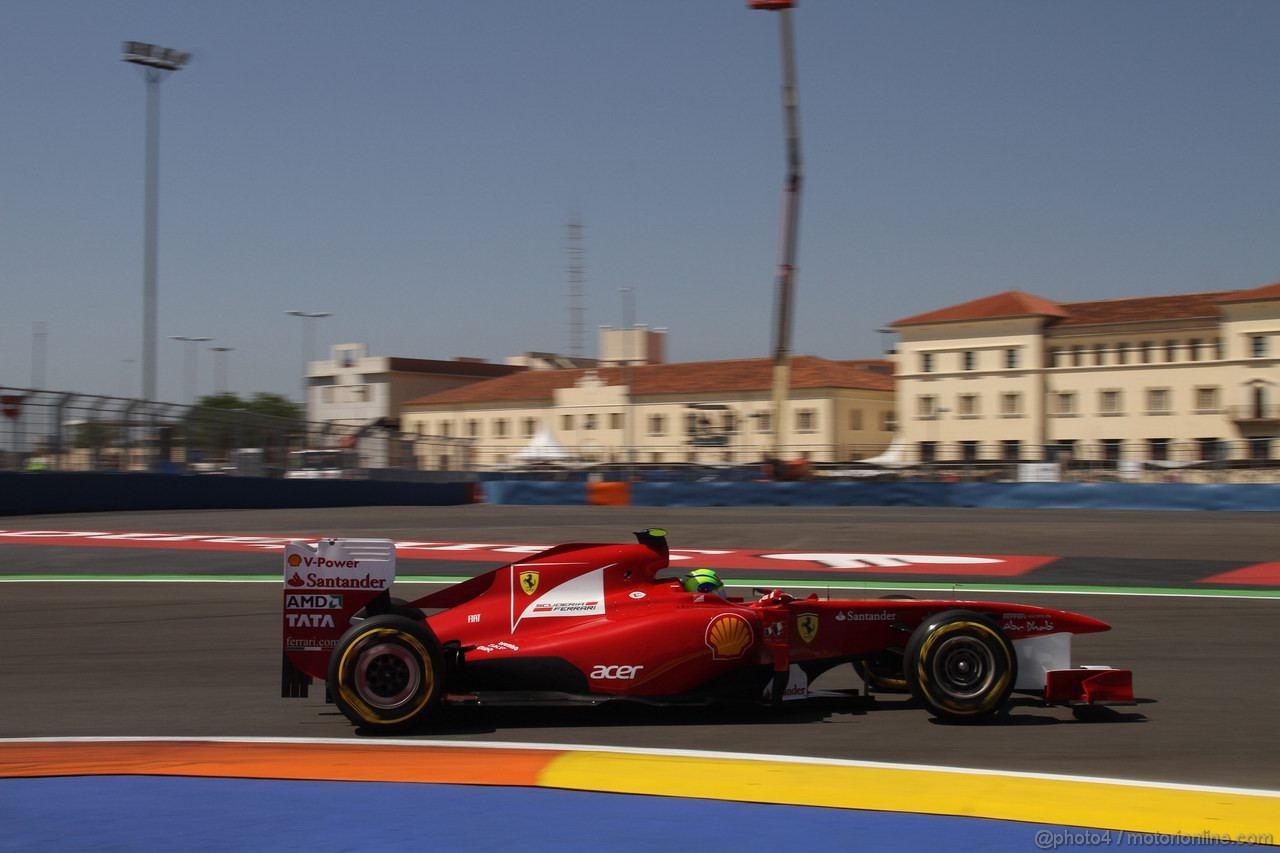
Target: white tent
<point x="543" y="447"/>
<point x="895" y="456"/>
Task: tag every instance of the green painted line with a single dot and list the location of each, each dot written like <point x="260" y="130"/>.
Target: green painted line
<point x="1057" y="589"/>
<point x="844" y="585"/>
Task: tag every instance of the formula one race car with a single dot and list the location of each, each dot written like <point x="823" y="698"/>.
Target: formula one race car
<point x="588" y="623"/>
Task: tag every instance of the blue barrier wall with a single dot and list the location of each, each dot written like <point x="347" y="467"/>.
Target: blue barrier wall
<point x="52" y="491"/>
<point x="1139" y="496"/>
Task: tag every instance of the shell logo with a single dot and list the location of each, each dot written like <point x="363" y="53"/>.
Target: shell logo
<point x="728" y="636"/>
<point x="295" y="560"/>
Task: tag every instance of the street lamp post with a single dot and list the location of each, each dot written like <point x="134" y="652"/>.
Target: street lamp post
<point x="308" y="345"/>
<point x="190" y="360"/>
<point x="156" y="63"/>
<point x="790" y="223"/>
<point x="629" y="322"/>
<point x="220" y="368"/>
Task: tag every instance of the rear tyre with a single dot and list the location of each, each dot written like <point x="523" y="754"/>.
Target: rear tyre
<point x="386" y="673"/>
<point x="398" y="606"/>
<point x="960" y="666"/>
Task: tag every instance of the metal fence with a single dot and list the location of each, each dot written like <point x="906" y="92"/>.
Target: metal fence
<point x="63" y="431"/>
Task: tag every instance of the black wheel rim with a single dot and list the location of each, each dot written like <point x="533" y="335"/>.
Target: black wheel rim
<point x="964" y="667"/>
<point x="387" y="675"/>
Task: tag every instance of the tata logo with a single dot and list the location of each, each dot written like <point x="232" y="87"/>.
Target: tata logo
<point x="309" y="620"/>
<point x="807" y="626"/>
<point x="529" y="582"/>
<point x="300" y="601"/>
<point x="615" y="673"/>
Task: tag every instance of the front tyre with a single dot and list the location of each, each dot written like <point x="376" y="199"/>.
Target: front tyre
<point x="387" y="673"/>
<point x="960" y="666"/>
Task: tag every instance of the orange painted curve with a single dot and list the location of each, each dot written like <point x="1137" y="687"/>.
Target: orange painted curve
<point x="303" y="761"/>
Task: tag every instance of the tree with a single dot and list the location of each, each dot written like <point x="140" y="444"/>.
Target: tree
<point x="219" y="423"/>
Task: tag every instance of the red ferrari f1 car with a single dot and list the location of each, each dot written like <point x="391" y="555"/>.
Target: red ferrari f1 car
<point x="589" y="623"/>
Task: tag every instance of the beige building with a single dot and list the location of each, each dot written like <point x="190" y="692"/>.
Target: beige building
<point x="1164" y="378"/>
<point x="716" y="412"/>
<point x="353" y="388"/>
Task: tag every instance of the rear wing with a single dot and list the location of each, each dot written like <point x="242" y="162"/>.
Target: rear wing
<point x="325" y="584"/>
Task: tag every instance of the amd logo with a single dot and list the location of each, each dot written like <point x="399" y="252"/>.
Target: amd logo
<point x="615" y="673"/>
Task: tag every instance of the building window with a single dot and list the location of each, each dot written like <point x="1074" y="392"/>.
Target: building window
<point x="655" y="457"/>
<point x="888" y="422"/>
<point x="1010" y="450"/>
<point x="927" y="406"/>
<point x="926" y="362"/>
<point x="1193" y="349"/>
<point x="928" y="451"/>
<point x="1217" y="348"/>
<point x="1011" y="358"/>
<point x="969" y="451"/>
<point x="500" y="428"/>
<point x="1099" y="354"/>
<point x="855" y="419"/>
<point x="657" y="425"/>
<point x="968" y="359"/>
<point x="764" y="422"/>
<point x="1062" y="450"/>
<point x="968" y="405"/>
<point x="615" y="420"/>
<point x="1144" y="350"/>
<point x="473" y="428"/>
<point x="566" y="422"/>
<point x="1112" y="448"/>
<point x="527" y="427"/>
<point x="1210" y="449"/>
<point x="1157" y="401"/>
<point x="1259" y="448"/>
<point x="1011" y="404"/>
<point x="590" y="421"/>
<point x="1077" y="356"/>
<point x="1170" y="350"/>
<point x="1054" y="356"/>
<point x="806" y="420"/>
<point x="446" y="430"/>
<point x="1122" y="353"/>
<point x="1207" y="399"/>
<point x="1064" y="403"/>
<point x="1257" y="346"/>
<point x="1109" y="402"/>
<point x="1158" y="449"/>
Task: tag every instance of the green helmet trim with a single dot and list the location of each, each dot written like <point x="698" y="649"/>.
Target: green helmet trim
<point x="701" y="578"/>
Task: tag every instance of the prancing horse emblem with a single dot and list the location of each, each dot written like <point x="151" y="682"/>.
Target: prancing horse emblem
<point x="529" y="582"/>
<point x="807" y="623"/>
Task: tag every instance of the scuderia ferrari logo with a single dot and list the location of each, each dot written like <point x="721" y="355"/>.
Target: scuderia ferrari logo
<point x="529" y="582"/>
<point x="807" y="626"/>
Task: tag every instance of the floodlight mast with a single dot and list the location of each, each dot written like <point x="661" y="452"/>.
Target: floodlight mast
<point x="157" y="63"/>
<point x="785" y="287"/>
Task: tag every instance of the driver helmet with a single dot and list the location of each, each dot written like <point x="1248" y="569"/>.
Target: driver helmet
<point x="703" y="580"/>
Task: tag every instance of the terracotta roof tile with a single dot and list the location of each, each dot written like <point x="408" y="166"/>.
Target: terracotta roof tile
<point x="703" y="377"/>
<point x="1270" y="291"/>
<point x="1140" y="309"/>
<point x="1011" y="303"/>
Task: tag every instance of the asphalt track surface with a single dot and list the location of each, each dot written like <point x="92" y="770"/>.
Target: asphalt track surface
<point x="202" y="659"/>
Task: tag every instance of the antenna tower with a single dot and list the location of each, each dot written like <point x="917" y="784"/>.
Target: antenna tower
<point x="575" y="287"/>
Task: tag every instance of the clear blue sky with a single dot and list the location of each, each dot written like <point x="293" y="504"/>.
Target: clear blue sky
<point x="411" y="167"/>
